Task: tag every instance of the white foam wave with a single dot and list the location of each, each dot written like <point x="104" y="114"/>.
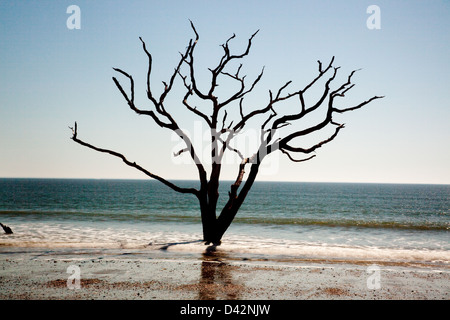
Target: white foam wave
<point x="75" y="236"/>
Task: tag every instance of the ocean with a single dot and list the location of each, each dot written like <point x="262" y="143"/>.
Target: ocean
<point x="379" y="222"/>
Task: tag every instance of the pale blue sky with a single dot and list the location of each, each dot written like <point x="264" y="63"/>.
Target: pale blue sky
<point x="51" y="76"/>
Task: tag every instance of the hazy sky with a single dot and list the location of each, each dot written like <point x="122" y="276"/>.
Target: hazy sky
<point x="51" y="76"/>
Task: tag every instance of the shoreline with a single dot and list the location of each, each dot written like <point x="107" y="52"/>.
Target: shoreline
<point x="210" y="274"/>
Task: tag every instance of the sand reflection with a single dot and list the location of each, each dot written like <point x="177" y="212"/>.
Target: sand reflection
<point x="216" y="281"/>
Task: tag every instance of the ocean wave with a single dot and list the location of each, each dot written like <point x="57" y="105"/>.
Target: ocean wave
<point x="42" y="235"/>
<point x="194" y="217"/>
<point x="347" y="223"/>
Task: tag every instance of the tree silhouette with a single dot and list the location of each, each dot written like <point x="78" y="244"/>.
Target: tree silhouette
<point x="222" y="132"/>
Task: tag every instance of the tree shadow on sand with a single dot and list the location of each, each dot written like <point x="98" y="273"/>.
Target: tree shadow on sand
<point x="170" y="244"/>
<point x="216" y="280"/>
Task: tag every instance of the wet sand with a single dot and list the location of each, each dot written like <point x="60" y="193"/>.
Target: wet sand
<point x="33" y="274"/>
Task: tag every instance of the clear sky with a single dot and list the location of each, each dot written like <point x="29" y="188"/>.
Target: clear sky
<point x="51" y="76"/>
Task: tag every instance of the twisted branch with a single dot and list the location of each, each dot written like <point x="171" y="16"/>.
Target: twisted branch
<point x="131" y="164"/>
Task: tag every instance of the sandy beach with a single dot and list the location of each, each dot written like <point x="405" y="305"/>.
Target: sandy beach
<point x="48" y="274"/>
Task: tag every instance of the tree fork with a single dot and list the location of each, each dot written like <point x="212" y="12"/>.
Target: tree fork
<point x="228" y="213"/>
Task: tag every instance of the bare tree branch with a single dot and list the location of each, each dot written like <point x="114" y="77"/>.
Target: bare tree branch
<point x="132" y="164"/>
<point x="134" y="108"/>
<point x="226" y="145"/>
<point x="304" y="111"/>
<point x="245" y="118"/>
<point x="224" y="119"/>
<point x="159" y="104"/>
<point x="283" y="145"/>
<point x="329" y="115"/>
<point x="296" y="160"/>
<point x="235" y="186"/>
<point x="149" y="92"/>
<point x="241" y="93"/>
<point x="190" y="63"/>
<point x="362" y="104"/>
<point x="176" y="154"/>
<point x="188" y="106"/>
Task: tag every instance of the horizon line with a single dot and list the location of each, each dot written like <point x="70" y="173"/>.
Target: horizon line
<point x="226" y="180"/>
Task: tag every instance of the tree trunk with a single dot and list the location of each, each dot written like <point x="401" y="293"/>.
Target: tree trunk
<point x="214" y="229"/>
<point x="209" y="224"/>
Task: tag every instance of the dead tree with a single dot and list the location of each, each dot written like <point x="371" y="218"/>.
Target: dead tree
<point x="222" y="132"/>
